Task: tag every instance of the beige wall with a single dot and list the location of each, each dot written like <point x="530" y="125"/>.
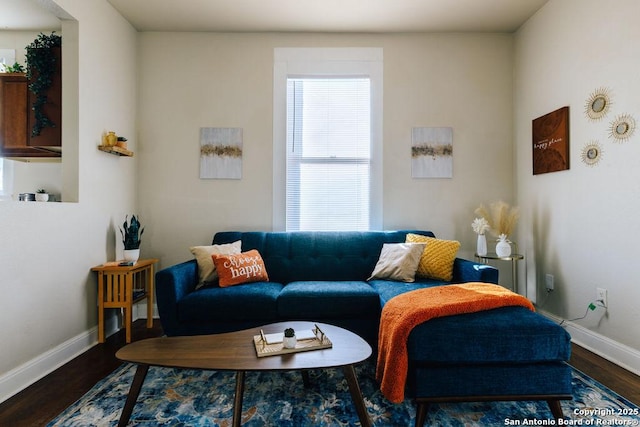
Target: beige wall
<point x="48" y="294"/>
<point x="19" y="40"/>
<point x="193" y="80"/>
<point x="580" y="225"/>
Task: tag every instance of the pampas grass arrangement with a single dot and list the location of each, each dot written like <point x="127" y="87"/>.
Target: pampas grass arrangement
<point x="501" y="217"/>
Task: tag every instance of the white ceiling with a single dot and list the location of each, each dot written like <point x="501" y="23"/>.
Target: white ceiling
<point x="328" y="15"/>
<point x="292" y="15"/>
<point x="33" y="15"/>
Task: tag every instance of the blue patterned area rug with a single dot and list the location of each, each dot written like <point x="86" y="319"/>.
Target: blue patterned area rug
<point x="180" y="397"/>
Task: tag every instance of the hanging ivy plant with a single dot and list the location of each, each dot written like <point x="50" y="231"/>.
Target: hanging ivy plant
<point x="41" y="64"/>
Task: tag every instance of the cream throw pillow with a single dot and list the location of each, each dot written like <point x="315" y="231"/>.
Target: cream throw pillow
<point x="398" y="261"/>
<point x="438" y="257"/>
<point x="206" y="268"/>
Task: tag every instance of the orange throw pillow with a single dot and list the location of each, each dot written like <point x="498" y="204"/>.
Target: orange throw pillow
<point x="240" y="268"/>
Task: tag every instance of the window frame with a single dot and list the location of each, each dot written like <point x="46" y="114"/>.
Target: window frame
<point x="6" y="189"/>
<point x="326" y="62"/>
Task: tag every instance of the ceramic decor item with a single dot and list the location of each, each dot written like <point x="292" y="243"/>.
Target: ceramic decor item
<point x="481" y="246"/>
<point x="481" y="226"/>
<point x="289" y="340"/>
<point x="503" y="247"/>
<point x="131" y="255"/>
<point x="42" y="195"/>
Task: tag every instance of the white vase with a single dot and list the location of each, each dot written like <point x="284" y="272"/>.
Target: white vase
<point x="503" y="248"/>
<point x="42" y="197"/>
<point x="289" y="342"/>
<point x="481" y="247"/>
<point x="131" y="254"/>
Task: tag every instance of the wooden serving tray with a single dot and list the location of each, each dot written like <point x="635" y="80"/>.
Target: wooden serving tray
<point x="263" y="349"/>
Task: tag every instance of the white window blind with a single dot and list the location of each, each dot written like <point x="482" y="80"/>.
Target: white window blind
<point x="328" y="153"/>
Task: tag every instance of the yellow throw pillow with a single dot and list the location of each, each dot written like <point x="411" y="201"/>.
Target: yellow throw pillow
<point x="437" y="258"/>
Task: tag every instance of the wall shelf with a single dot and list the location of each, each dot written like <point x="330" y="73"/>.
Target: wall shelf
<point x="118" y="151"/>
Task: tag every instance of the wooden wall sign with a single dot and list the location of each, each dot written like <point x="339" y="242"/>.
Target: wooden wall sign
<point x="551" y="142"/>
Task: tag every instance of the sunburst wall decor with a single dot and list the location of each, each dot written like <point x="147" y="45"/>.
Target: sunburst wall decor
<point x="622" y="127"/>
<point x="591" y="153"/>
<point x="598" y="104"/>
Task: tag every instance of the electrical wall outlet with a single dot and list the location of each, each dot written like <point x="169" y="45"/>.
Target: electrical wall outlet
<point x="601" y="297"/>
<point x="548" y="280"/>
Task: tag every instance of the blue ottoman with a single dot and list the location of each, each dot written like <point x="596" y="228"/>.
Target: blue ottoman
<point x="508" y="353"/>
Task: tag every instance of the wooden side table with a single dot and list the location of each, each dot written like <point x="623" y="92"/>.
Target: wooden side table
<point x="121" y="287"/>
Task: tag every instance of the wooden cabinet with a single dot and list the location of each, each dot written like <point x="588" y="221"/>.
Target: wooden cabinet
<point x="13" y="112"/>
<point x="15" y="121"/>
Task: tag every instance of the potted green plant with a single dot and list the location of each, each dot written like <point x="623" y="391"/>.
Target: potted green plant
<point x="131" y="237"/>
<point x="42" y="195"/>
<point x="15" y="68"/>
<point x="289" y="340"/>
<point x="42" y="59"/>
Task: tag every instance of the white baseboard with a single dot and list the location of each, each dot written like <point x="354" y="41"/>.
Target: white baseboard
<point x="615" y="352"/>
<point x="28" y="373"/>
<point x="24" y="375"/>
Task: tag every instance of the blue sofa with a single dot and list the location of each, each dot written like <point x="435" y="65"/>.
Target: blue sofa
<point x="312" y="276"/>
<point x="507" y="353"/>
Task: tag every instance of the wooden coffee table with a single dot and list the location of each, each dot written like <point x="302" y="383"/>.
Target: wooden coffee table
<point x="235" y="351"/>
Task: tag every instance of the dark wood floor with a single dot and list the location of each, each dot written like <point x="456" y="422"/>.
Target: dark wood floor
<point x="48" y="397"/>
<point x="44" y="400"/>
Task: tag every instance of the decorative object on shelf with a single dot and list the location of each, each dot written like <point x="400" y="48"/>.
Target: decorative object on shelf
<point x="26" y="197"/>
<point x="502" y="220"/>
<point x="598" y="104"/>
<point x="42" y="195"/>
<point x="622" y="127"/>
<point x="110" y="139"/>
<point x="481" y="226"/>
<point x="113" y="144"/>
<point x="289" y="340"/>
<point x="503" y="247"/>
<point x="591" y="153"/>
<point x="41" y="66"/>
<point x="131" y="238"/>
<point x="551" y="142"/>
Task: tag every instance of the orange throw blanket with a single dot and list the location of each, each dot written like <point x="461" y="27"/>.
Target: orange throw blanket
<point x="403" y="312"/>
